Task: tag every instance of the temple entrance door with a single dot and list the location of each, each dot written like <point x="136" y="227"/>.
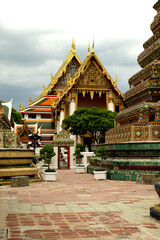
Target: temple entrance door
<point x="63" y="157"/>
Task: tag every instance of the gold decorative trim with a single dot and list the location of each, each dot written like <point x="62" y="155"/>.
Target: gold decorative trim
<point x="30" y="100"/>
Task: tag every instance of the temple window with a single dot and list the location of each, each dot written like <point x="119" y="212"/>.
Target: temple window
<point x="117" y="108"/>
<point x="32" y="116"/>
<point x="45" y="116"/>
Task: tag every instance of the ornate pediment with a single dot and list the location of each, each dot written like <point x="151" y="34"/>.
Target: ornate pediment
<point x="92" y="76"/>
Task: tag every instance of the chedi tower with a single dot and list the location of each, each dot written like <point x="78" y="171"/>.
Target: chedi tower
<point x="140" y="121"/>
<point x="133" y="146"/>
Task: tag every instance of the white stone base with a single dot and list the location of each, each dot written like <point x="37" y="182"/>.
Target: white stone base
<point x="50" y="176"/>
<point x="100" y="175"/>
<point x="80" y="169"/>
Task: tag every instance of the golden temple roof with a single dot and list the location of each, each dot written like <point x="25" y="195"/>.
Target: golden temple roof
<point x="71" y="80"/>
<point x="81" y="71"/>
<point x="54" y="79"/>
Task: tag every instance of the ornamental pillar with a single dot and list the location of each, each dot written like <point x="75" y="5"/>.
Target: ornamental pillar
<point x="61" y="118"/>
<point x="111" y="105"/>
<point x="72" y="107"/>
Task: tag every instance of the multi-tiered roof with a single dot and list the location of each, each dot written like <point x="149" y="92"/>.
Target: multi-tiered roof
<point x="140" y="121"/>
<point x="145" y="85"/>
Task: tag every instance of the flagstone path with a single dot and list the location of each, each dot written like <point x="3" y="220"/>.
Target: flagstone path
<point x="78" y="207"/>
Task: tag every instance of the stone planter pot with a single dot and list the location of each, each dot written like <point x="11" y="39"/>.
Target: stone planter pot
<point x="80" y="169"/>
<point x="43" y="169"/>
<point x="50" y="176"/>
<point x="100" y="175"/>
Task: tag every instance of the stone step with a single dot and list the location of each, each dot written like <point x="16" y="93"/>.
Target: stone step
<point x="21" y="171"/>
<point x="16" y="153"/>
<point x="16" y="161"/>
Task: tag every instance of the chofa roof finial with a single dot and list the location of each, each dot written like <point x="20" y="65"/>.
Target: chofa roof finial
<point x="88" y="48"/>
<point x="73" y="44"/>
<point x="93" y="46"/>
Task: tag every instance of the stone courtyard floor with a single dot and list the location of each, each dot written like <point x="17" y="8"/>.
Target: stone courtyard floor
<point x="78" y="207"/>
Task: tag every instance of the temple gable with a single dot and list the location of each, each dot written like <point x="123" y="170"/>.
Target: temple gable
<point x="92" y="77"/>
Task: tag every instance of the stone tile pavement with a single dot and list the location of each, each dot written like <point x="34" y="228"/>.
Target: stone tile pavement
<point x="78" y="207"/>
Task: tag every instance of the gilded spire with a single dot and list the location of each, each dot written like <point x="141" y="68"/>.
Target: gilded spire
<point x="73" y="45"/>
<point x="93" y="46"/>
<point x="88" y="48"/>
<point x="30" y="100"/>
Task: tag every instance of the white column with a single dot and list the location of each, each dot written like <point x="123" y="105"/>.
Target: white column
<point x="61" y="118"/>
<point x="38" y="116"/>
<point x="54" y="160"/>
<point x="72" y="157"/>
<point x="25" y="116"/>
<point x="111" y="106"/>
<point x="72" y="107"/>
<point x="58" y="126"/>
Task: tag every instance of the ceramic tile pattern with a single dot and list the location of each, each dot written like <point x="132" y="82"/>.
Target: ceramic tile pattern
<point x="79" y="207"/>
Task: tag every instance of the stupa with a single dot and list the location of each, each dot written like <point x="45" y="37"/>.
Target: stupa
<point x="134" y="143"/>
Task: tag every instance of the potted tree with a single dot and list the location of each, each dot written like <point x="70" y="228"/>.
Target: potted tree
<point x="80" y="168"/>
<point x="47" y="153"/>
<point x="100" y="173"/>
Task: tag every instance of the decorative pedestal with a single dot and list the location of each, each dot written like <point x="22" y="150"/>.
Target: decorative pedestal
<point x="100" y="175"/>
<point x="155" y="211"/>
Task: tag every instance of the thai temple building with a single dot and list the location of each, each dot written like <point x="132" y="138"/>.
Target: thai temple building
<point x="76" y="84"/>
<point x="140" y="121"/>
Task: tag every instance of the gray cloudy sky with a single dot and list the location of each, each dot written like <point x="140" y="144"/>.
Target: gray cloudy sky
<point x="36" y="36"/>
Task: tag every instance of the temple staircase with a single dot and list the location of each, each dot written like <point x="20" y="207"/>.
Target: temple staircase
<point x="17" y="162"/>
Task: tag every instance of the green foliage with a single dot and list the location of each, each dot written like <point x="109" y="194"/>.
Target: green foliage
<point x="16" y="117"/>
<point x="47" y="153"/>
<point x="80" y="146"/>
<point x="50" y="170"/>
<point x="90" y="120"/>
<point x="101" y="152"/>
<point x="78" y="156"/>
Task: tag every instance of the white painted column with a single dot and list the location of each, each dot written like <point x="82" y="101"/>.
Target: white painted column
<point x="54" y="160"/>
<point x="111" y="106"/>
<point x="72" y="157"/>
<point x="72" y="107"/>
<point x="25" y="116"/>
<point x="58" y="126"/>
<point x="61" y="118"/>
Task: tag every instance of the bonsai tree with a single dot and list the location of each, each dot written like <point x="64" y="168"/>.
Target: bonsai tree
<point x="47" y="153"/>
<point x="78" y="156"/>
<point x="101" y="152"/>
<point x="81" y="147"/>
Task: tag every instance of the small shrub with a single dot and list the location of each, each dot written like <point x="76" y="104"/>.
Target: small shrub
<point x="47" y="153"/>
<point x="80" y="146"/>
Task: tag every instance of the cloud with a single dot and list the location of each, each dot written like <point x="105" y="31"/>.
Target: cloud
<point x="36" y="38"/>
<point x="28" y="58"/>
<point x="29" y="47"/>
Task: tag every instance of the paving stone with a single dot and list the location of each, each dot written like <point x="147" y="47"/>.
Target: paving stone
<point x="78" y="207"/>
